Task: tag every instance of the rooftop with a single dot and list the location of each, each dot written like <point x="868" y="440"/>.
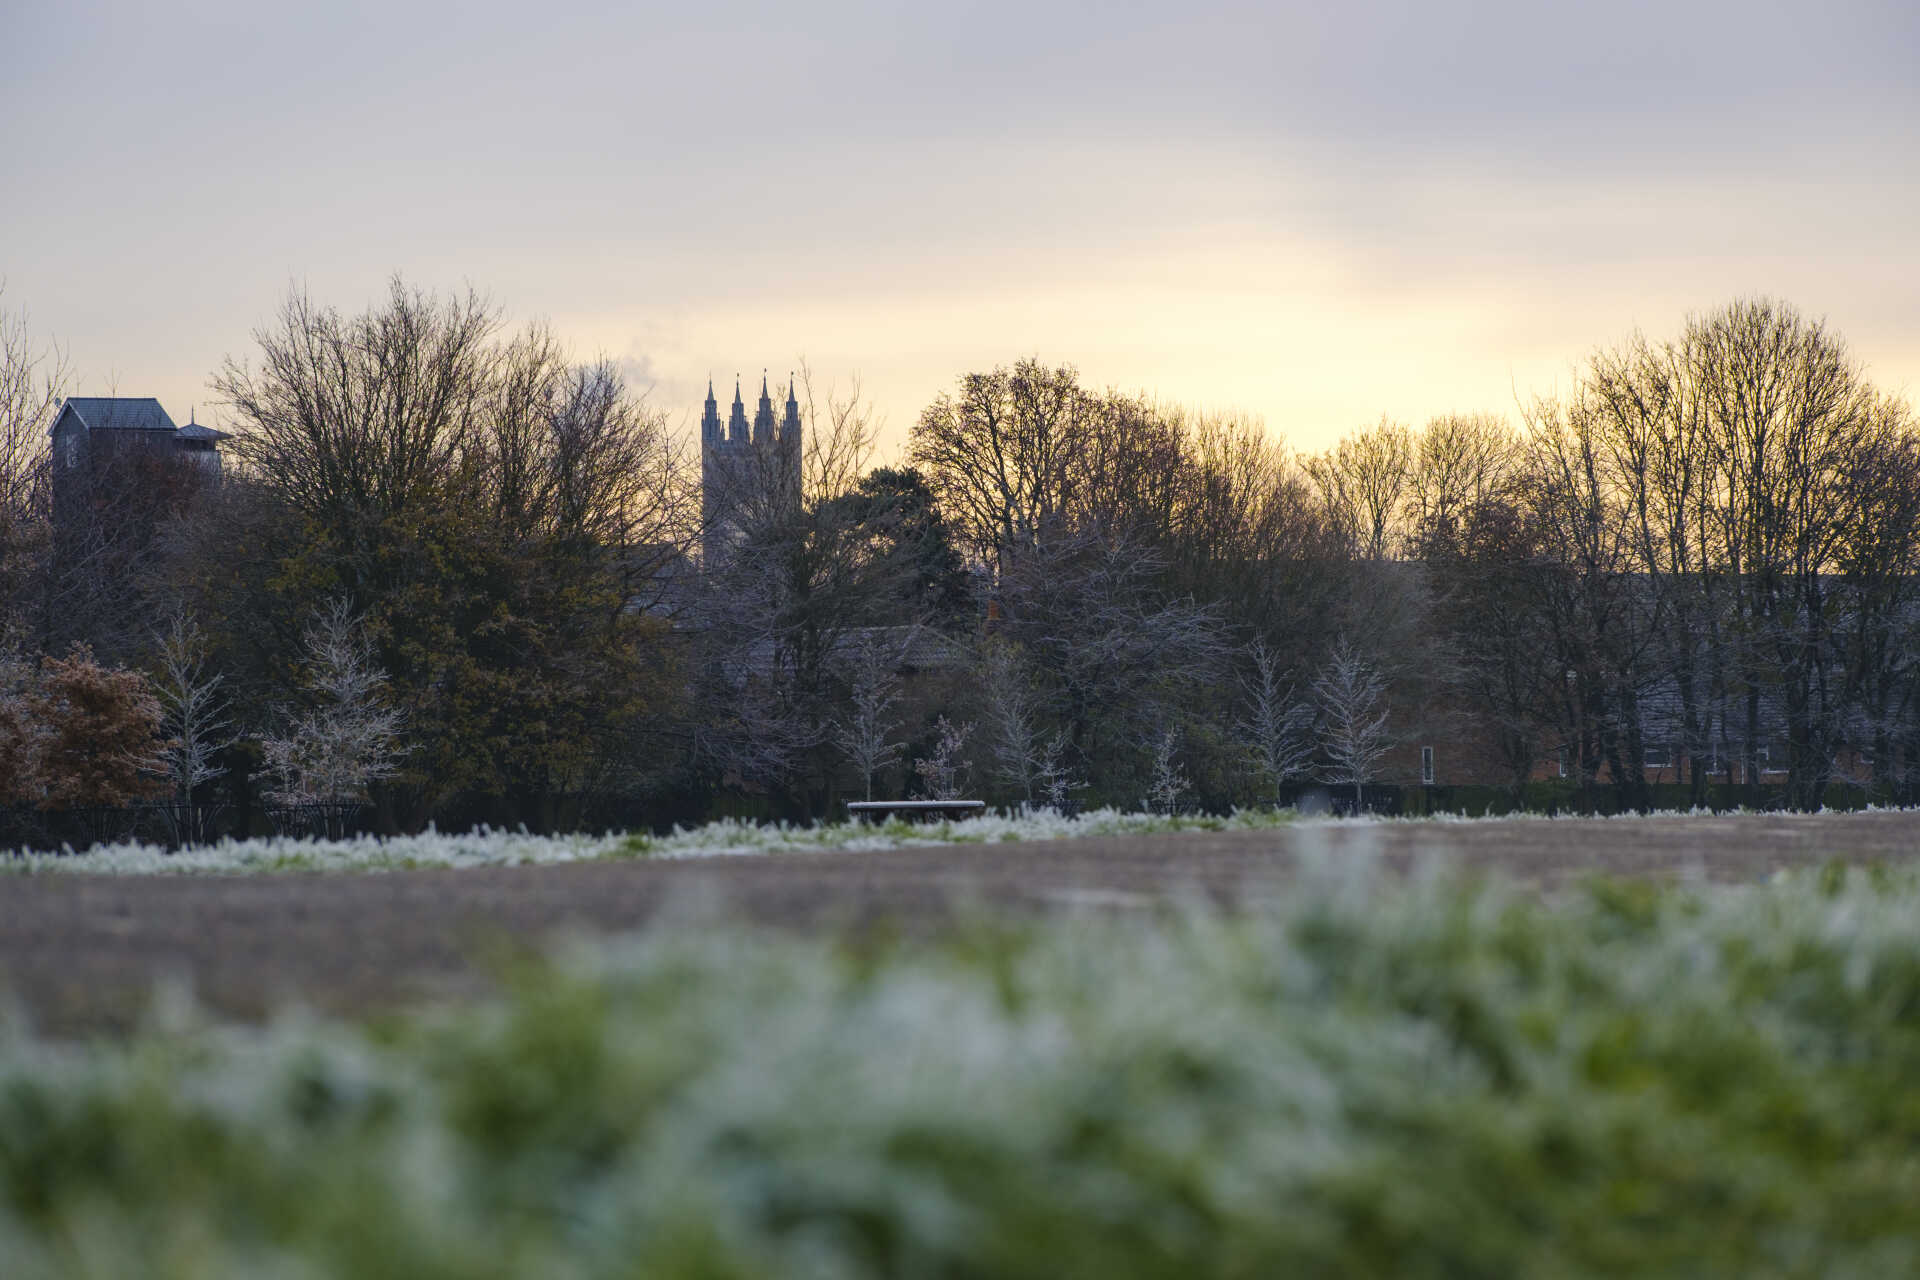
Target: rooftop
<point x="119" y="413"/>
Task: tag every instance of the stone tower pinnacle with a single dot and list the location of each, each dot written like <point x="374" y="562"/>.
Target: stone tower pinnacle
<point x="790" y="424"/>
<point x="763" y="416"/>
<point x="737" y="421"/>
<point x="710" y="416"/>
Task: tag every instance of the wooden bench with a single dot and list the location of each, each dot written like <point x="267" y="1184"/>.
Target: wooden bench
<point x="881" y="810"/>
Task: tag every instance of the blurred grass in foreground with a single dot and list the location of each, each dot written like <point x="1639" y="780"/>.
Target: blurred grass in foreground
<point x="1369" y="1078"/>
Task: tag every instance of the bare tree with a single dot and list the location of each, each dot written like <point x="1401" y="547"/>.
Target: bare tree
<point x="1594" y="612"/>
<point x="329" y="755"/>
<point x="1277" y="728"/>
<point x="572" y="459"/>
<point x="1353" y="714"/>
<point x="32" y="381"/>
<point x="1491" y="584"/>
<point x="1249" y="531"/>
<point x="1792" y="417"/>
<point x="194" y="721"/>
<point x="840" y="434"/>
<point x="1459" y="462"/>
<point x="1364" y="483"/>
<point x="1002" y="454"/>
<point x="1880" y="637"/>
<point x="865" y="734"/>
<point x="1649" y="412"/>
<point x="355" y="420"/>
<point x="1728" y="515"/>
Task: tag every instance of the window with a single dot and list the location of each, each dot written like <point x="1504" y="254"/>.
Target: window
<point x="1426" y="766"/>
<point x="1660" y="757"/>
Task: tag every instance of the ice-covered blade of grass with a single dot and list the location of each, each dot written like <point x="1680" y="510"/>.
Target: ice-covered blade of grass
<point x="1374" y="1077"/>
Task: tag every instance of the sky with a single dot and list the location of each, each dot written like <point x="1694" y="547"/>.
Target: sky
<point x="1314" y="213"/>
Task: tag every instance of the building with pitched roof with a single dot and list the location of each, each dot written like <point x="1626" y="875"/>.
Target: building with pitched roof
<point x="128" y="439"/>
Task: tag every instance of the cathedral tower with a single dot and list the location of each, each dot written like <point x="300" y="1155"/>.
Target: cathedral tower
<point x="748" y="475"/>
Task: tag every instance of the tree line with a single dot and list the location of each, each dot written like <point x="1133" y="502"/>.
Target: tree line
<point x="453" y="575"/>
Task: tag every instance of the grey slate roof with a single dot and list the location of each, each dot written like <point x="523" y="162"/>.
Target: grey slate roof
<point x="117" y="413"/>
<point x="200" y="431"/>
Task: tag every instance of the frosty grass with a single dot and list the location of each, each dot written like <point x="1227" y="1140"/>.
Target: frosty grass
<point x="1372" y="1077"/>
<point x="725" y="837"/>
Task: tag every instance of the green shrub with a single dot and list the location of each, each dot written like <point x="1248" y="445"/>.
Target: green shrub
<point x="1370" y="1078"/>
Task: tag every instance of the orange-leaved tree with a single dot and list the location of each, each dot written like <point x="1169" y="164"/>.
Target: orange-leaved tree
<point x="99" y="744"/>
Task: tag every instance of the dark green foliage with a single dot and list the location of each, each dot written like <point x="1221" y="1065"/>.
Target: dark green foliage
<point x="1371" y="1080"/>
<point x="501" y="519"/>
<point x="904" y="538"/>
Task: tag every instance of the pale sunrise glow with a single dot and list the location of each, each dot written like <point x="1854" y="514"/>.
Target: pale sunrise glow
<point x="1313" y="219"/>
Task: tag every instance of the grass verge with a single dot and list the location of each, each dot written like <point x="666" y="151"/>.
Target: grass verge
<point x="727" y="837"/>
<point x="513" y="848"/>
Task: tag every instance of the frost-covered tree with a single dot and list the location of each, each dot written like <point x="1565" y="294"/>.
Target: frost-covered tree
<point x="1277" y="728"/>
<point x="866" y="732"/>
<point x="1167" y="781"/>
<point x="1108" y="648"/>
<point x="944" y="773"/>
<point x="1011" y="707"/>
<point x="1351" y="696"/>
<point x="195" y="720"/>
<point x="1054" y="779"/>
<point x="331" y="753"/>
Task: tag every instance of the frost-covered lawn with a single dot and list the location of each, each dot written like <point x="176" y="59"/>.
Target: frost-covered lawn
<point x="1375" y="1077"/>
<point x="504" y="848"/>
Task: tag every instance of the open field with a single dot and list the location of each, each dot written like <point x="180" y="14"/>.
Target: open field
<point x="84" y="951"/>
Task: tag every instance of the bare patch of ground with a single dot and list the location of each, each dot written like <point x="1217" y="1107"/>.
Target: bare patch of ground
<point x="84" y="952"/>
